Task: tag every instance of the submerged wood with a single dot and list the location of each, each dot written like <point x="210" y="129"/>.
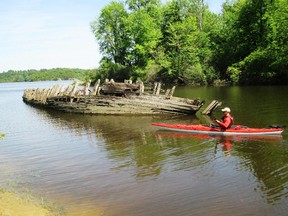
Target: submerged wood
<point x="111" y="98"/>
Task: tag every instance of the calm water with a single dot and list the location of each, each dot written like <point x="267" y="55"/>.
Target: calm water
<point x="116" y="165"/>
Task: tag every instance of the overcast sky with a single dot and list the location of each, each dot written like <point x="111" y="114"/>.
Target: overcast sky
<point x="38" y="34"/>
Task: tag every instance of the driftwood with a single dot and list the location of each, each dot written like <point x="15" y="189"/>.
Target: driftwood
<point x="111" y="98"/>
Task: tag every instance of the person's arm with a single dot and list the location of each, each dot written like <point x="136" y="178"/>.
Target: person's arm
<point x="225" y="123"/>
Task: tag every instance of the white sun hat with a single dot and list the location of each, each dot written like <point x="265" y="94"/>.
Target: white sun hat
<point x="226" y="109"/>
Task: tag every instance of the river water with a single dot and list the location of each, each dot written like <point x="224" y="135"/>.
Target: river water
<point x="119" y="165"/>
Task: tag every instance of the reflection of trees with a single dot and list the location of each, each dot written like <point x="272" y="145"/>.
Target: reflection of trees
<point x="130" y="141"/>
<point x="133" y="144"/>
<point x="261" y="154"/>
<point x="266" y="159"/>
<point x="269" y="163"/>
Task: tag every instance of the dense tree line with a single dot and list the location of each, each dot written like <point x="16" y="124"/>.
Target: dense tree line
<point x="181" y="41"/>
<point x="45" y="74"/>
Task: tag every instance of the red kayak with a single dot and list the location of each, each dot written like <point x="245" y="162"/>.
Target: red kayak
<point x="205" y="129"/>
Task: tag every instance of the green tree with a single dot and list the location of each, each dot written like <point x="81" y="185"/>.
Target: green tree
<point x="277" y="37"/>
<point x="247" y="48"/>
<point x="145" y="35"/>
<point x="182" y="41"/>
<point x="110" y="32"/>
<point x="185" y="43"/>
<point x="128" y="41"/>
<point x="135" y="5"/>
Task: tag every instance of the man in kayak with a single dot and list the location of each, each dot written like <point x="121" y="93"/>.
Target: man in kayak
<point x="227" y="120"/>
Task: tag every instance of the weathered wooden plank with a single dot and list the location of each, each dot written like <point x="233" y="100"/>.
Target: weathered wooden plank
<point x="171" y="92"/>
<point x="74" y="89"/>
<point x="211" y="107"/>
<point x="158" y="89"/>
<point x="86" y="88"/>
<point x="96" y="88"/>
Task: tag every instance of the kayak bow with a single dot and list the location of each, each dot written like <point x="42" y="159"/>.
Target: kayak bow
<point x="203" y="129"/>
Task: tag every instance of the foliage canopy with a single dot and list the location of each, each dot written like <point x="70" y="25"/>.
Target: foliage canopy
<point x="181" y="41"/>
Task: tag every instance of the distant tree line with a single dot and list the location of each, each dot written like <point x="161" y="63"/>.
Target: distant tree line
<point x="182" y="42"/>
<point x="45" y="74"/>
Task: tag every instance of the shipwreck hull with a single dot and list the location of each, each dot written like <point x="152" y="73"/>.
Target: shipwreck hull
<point x="145" y="105"/>
<point x="138" y="103"/>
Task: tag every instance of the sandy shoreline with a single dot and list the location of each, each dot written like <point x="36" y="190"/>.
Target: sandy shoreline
<point x="12" y="204"/>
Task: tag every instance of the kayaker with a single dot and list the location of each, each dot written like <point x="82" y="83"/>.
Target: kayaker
<point x="227" y="120"/>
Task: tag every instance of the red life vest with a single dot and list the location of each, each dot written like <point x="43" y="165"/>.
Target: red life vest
<point x="231" y="121"/>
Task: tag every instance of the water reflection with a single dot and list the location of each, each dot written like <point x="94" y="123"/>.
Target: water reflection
<point x="112" y="165"/>
<point x="269" y="165"/>
<point x="262" y="155"/>
<point x="137" y="149"/>
<point x="130" y="141"/>
<point x="225" y="141"/>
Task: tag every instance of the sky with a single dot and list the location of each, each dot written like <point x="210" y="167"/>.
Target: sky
<point x="45" y="34"/>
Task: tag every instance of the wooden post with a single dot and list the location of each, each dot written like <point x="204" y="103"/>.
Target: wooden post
<point x="141" y="90"/>
<point x="96" y="87"/>
<point x="158" y="89"/>
<point x="167" y="93"/>
<point x="48" y="91"/>
<point x="74" y="89"/>
<point x="52" y="91"/>
<point x="155" y="88"/>
<point x="38" y="94"/>
<point x="86" y="88"/>
<point x="171" y="92"/>
<point x="57" y="91"/>
<point x="61" y="91"/>
<point x="68" y="90"/>
<point x="45" y="92"/>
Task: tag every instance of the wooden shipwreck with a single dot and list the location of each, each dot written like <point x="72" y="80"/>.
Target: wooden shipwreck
<point x="112" y="98"/>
